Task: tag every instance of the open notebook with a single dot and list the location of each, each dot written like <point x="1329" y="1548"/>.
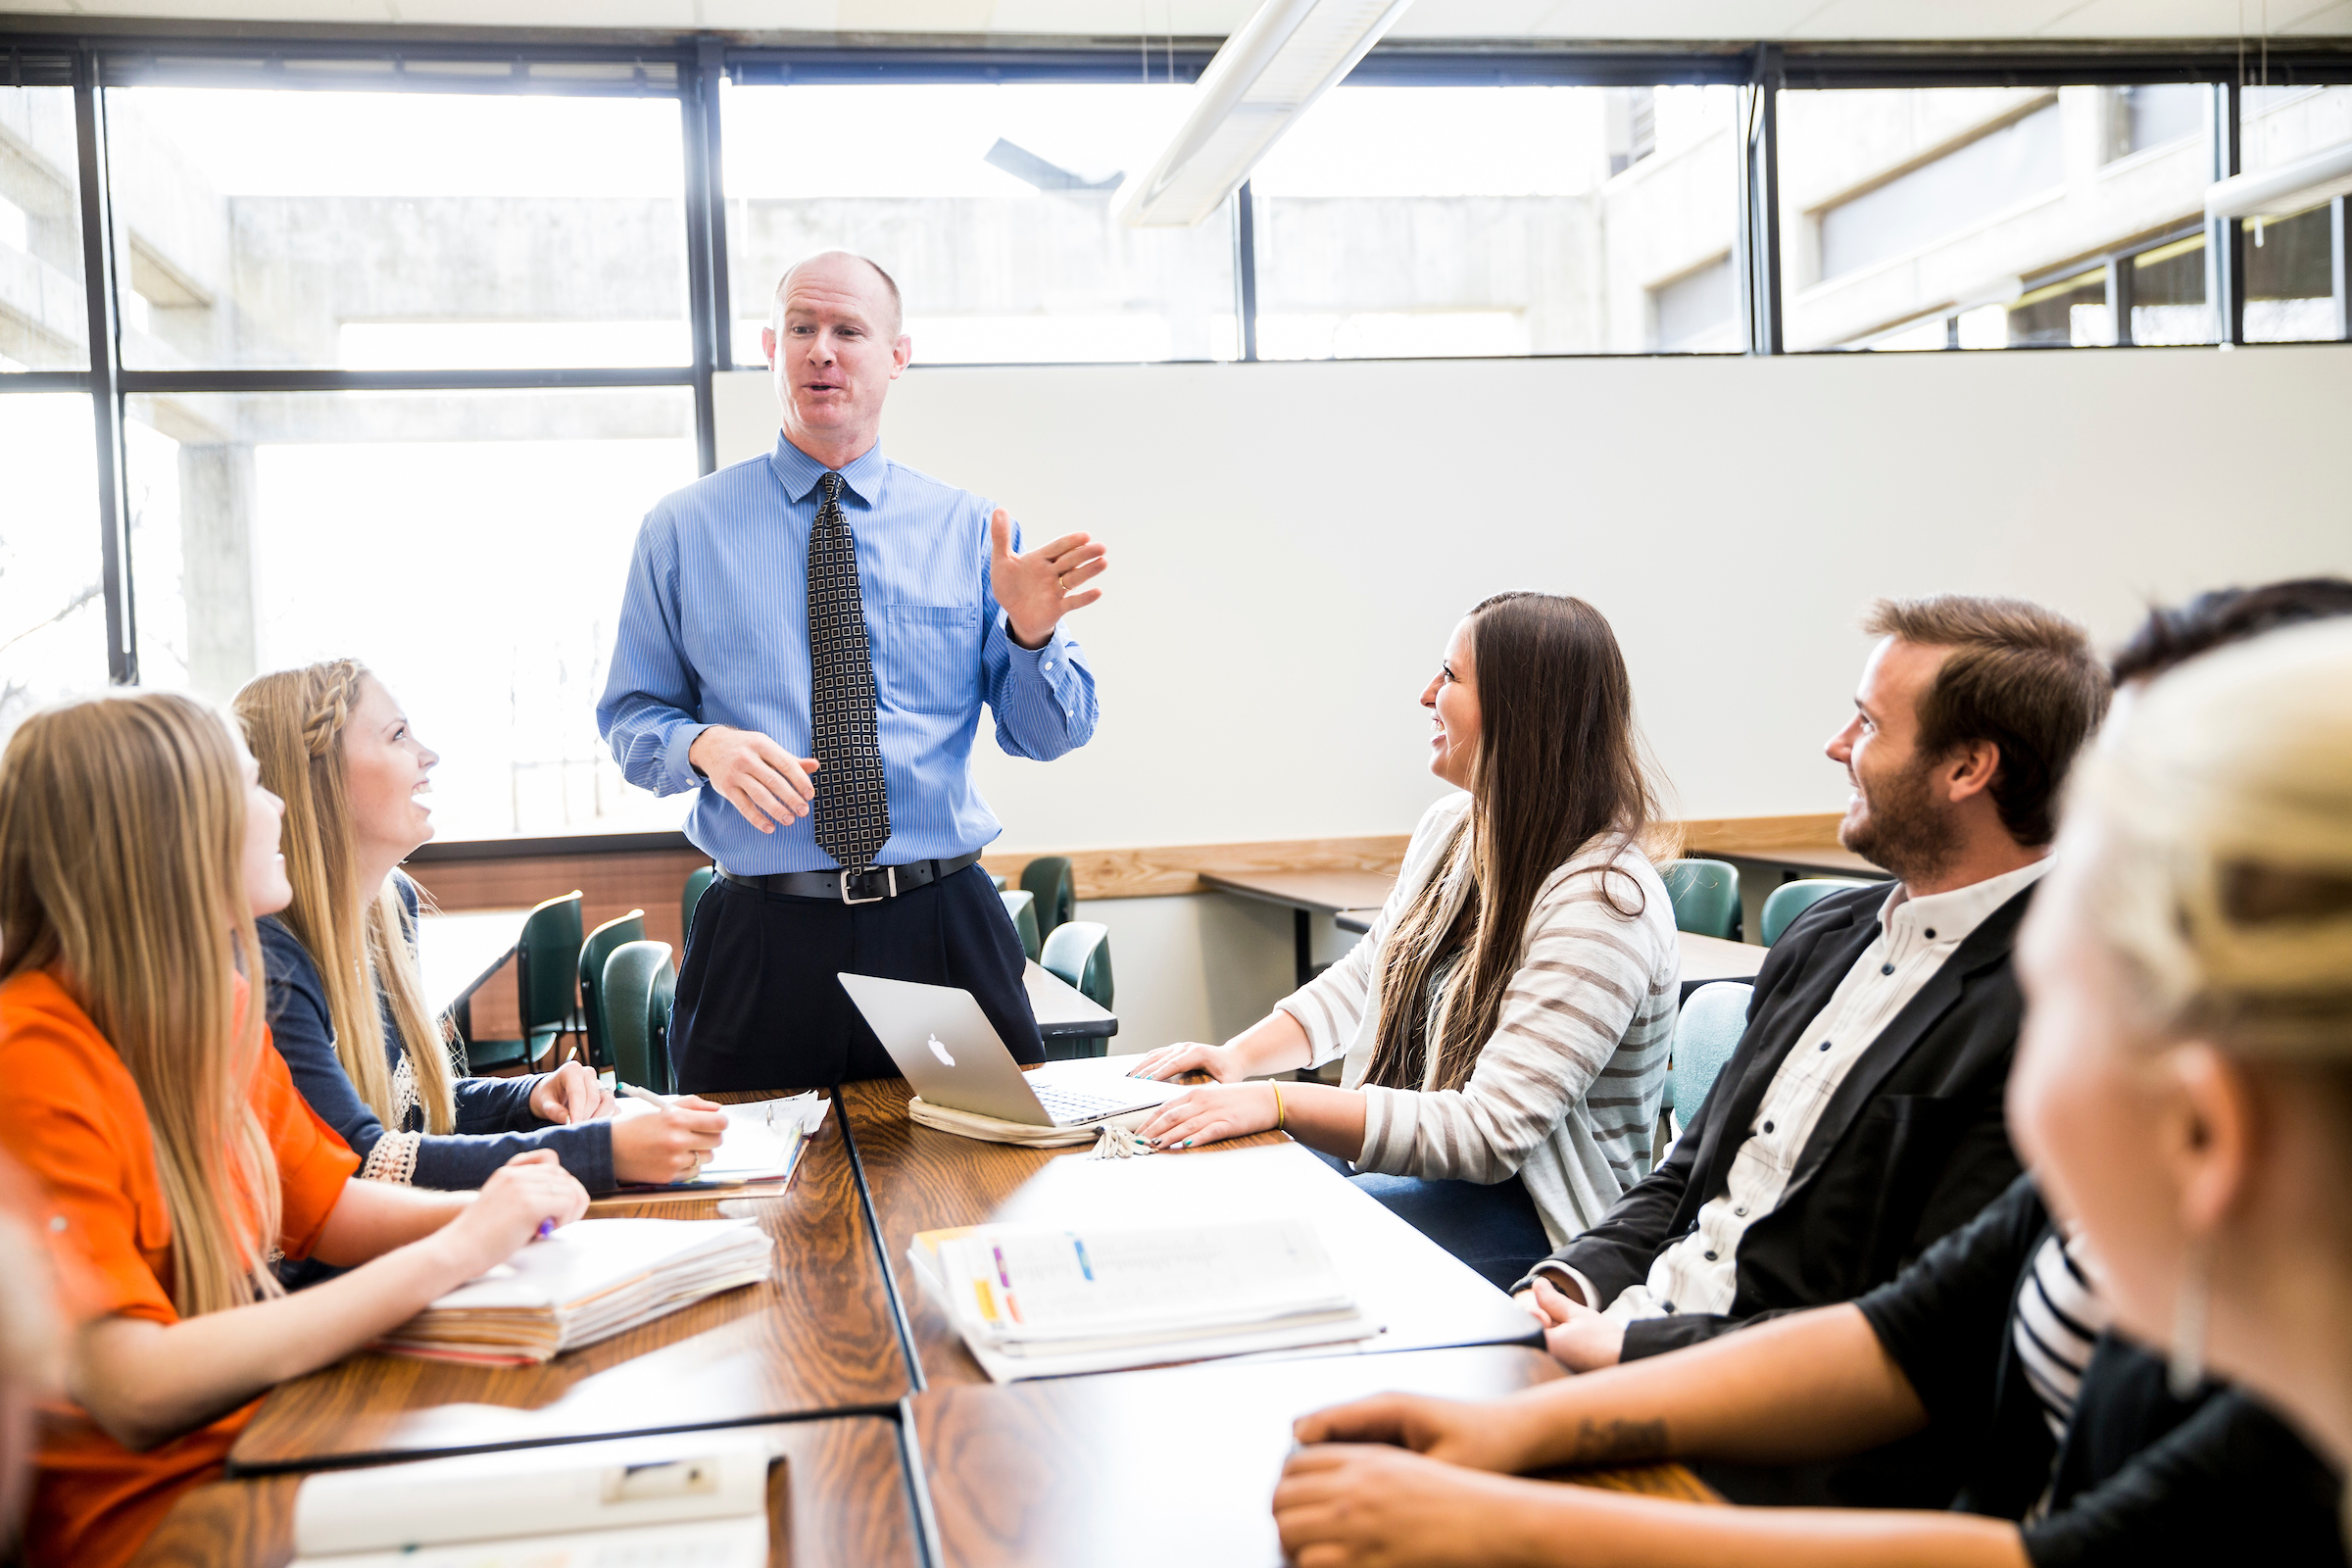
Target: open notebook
<point x="1042" y="1301"/>
<point x="587" y="1282"/>
<point x="765" y="1141"/>
<point x="696" y="1499"/>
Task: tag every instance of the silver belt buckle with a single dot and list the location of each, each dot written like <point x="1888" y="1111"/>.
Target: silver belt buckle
<point x="890" y="870"/>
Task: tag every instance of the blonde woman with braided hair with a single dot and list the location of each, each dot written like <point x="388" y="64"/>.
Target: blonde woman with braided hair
<point x="346" y="1004"/>
<point x="2184" y="1085"/>
<point x="137" y="846"/>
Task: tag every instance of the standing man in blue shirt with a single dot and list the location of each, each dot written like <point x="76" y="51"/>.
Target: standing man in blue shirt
<point x="807" y="639"/>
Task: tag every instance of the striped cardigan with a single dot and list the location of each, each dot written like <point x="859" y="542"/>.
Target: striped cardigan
<point x="1565" y="1094"/>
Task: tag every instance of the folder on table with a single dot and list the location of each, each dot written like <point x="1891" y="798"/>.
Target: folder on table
<point x="1042" y="1301"/>
<point x="692" y="1497"/>
<point x="587" y="1282"/>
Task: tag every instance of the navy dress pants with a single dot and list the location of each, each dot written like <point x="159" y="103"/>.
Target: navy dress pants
<point x="759" y="1007"/>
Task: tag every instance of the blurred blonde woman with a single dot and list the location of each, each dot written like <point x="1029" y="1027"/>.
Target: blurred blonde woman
<point x="2184" y="1082"/>
<point x="174" y="1157"/>
<point x="346" y="1003"/>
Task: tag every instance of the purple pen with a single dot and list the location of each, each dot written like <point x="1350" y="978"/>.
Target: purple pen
<point x="547" y="1228"/>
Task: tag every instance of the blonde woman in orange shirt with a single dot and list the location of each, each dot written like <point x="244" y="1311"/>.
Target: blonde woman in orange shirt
<point x="136" y="848"/>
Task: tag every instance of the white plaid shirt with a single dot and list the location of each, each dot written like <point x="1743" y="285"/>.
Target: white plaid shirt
<point x="1916" y="935"/>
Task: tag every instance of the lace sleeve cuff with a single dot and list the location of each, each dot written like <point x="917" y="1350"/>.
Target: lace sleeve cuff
<point x="393" y="1158"/>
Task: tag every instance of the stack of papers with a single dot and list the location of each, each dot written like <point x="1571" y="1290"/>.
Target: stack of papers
<point x="1040" y="1300"/>
<point x="763" y="1142"/>
<point x="699" y="1499"/>
<point x="587" y="1282"/>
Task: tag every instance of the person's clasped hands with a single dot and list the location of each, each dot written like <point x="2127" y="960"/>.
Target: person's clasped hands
<point x="1395" y="1479"/>
<point x="1579" y="1338"/>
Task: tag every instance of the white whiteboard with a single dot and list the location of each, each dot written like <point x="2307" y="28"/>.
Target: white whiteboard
<point x="1291" y="543"/>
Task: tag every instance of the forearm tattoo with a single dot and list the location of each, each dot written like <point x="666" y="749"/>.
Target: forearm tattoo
<point x="1618" y="1442"/>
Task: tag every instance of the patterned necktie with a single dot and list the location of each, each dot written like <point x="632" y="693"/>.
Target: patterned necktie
<point x="852" y="811"/>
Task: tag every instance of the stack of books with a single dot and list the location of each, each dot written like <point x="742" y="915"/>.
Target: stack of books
<point x="695" y="1498"/>
<point x="587" y="1282"/>
<point x="1045" y="1301"/>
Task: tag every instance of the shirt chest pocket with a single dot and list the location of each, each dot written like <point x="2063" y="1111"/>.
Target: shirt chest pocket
<point x="930" y="660"/>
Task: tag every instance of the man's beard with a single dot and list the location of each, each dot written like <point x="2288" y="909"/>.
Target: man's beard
<point x="1901" y="830"/>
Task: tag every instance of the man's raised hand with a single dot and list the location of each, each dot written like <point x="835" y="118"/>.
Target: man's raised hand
<point x="760" y="779"/>
<point x="1034" y="587"/>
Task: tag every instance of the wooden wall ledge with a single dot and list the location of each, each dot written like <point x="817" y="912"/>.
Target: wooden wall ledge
<point x="1163" y="870"/>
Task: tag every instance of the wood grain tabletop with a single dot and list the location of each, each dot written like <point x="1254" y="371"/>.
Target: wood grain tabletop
<point x="817" y="1338"/>
<point x="838" y="1497"/>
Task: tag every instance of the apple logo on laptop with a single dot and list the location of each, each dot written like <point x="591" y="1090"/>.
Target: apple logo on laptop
<point x="940" y="1051"/>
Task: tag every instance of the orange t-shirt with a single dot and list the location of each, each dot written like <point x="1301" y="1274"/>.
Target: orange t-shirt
<point x="74" y="1120"/>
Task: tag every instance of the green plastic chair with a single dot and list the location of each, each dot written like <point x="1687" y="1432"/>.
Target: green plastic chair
<point x="595" y="949"/>
<point x="547" y="993"/>
<point x="1705" y="1034"/>
<point x="638" y="988"/>
<point x="1707" y="897"/>
<point x="1022" y="905"/>
<point x="697" y="885"/>
<point x="997" y="882"/>
<point x="1078" y="953"/>
<point x="1793" y="899"/>
<point x="1048" y="878"/>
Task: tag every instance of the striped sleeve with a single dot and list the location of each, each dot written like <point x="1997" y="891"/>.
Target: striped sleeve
<point x="1330" y="1008"/>
<point x="1583" y="1021"/>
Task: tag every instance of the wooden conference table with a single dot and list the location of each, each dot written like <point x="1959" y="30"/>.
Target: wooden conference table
<point x="897" y="1447"/>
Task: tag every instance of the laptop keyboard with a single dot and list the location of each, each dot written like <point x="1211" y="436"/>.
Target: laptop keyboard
<point x="1077" y="1104"/>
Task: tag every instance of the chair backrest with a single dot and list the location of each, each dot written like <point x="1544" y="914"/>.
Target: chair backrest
<point x="1789" y="899"/>
<point x="595" y="949"/>
<point x="639" y="985"/>
<point x="1705" y="1034"/>
<point x="1022" y="905"/>
<point x="547" y="959"/>
<point x="1707" y="897"/>
<point x="696" y="884"/>
<point x="1049" y="877"/>
<point x="1078" y="953"/>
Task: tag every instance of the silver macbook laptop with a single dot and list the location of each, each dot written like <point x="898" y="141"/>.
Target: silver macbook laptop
<point x="944" y="1043"/>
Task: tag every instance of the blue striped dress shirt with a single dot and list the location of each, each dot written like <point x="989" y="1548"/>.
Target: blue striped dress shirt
<point x="715" y="630"/>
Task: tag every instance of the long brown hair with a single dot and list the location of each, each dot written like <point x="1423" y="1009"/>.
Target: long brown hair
<point x="295" y="722"/>
<point x="121" y="873"/>
<point x="1559" y="765"/>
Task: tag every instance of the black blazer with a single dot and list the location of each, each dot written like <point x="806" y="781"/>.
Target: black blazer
<point x="1912" y="1144"/>
<point x="2142" y="1478"/>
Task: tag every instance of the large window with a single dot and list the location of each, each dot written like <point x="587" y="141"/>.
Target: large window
<point x="991" y="206"/>
<point x="1401" y="222"/>
<point x="52" y="610"/>
<point x="44" y="312"/>
<point x="398" y="231"/>
<point x="470" y="547"/>
<point x="1978" y="217"/>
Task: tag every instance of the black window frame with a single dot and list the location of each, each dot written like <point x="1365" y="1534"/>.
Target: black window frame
<point x="689" y="68"/>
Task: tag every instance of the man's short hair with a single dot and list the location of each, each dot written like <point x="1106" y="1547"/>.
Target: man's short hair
<point x="897" y="308"/>
<point x="2020" y="676"/>
<point x="2175" y="635"/>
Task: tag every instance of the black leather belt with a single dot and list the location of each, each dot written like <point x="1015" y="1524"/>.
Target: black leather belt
<point x="854" y="886"/>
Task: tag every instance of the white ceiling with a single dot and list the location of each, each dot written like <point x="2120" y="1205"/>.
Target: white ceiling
<point x="1816" y="20"/>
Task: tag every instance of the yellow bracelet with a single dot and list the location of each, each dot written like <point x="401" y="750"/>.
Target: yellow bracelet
<point x="1278" y="1115"/>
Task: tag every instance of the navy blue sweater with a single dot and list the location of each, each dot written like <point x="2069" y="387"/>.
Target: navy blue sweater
<point x="494" y="1120"/>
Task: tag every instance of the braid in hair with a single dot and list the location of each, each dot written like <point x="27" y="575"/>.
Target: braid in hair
<point x="335" y="687"/>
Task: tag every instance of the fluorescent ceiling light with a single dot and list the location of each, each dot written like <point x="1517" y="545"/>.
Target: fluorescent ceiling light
<point x="2284" y="191"/>
<point x="1262" y="79"/>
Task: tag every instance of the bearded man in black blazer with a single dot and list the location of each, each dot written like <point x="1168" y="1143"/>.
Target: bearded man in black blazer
<point x="1861" y="1116"/>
